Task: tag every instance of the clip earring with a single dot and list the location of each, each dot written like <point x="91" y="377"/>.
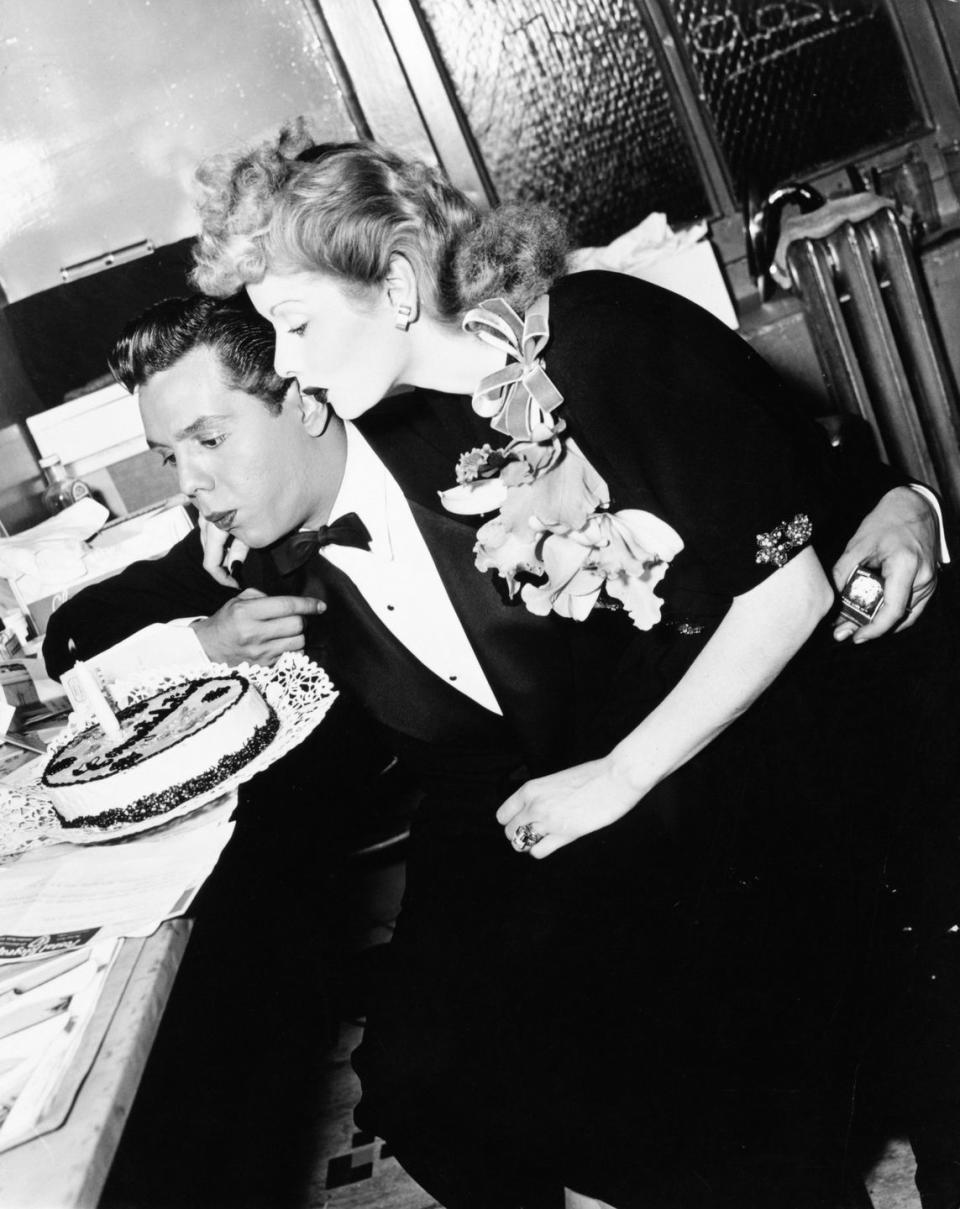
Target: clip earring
<point x="404" y="317"/>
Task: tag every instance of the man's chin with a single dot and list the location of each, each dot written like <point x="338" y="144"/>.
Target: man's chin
<point x="253" y="541"/>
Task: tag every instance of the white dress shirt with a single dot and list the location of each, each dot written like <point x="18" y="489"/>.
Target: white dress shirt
<point x="934" y="503"/>
<point x="397" y="576"/>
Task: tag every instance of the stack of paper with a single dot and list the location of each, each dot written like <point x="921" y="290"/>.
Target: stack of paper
<point x="45" y="565"/>
<point x="57" y="898"/>
<point x="65" y="908"/>
<point x="46" y="1009"/>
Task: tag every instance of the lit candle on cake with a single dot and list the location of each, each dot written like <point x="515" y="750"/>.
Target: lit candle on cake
<point x="82" y="685"/>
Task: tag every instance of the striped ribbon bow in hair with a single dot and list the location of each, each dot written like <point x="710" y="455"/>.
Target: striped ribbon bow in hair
<point x="519" y="398"/>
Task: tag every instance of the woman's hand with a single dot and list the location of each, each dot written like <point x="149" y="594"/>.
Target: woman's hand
<point x="566" y="805"/>
<point x="218" y="546"/>
<point x="900" y="538"/>
<point x="761" y="631"/>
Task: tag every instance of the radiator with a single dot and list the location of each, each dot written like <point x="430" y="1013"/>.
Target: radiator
<point x="879" y="347"/>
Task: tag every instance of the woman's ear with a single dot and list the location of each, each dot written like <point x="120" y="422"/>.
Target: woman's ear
<point x="403" y="293"/>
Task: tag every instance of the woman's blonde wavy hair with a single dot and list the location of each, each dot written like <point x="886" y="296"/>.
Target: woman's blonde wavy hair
<point x="346" y="209"/>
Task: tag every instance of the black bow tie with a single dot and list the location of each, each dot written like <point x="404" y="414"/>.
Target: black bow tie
<point x="297" y="549"/>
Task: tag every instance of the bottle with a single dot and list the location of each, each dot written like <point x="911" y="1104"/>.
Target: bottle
<point x="61" y="491"/>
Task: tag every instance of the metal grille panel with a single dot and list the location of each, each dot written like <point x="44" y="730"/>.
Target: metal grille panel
<point x="568" y="105"/>
<point x="797" y="84"/>
<point x="879" y="345"/>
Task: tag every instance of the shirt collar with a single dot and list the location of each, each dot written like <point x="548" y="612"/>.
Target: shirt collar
<point x="363" y="490"/>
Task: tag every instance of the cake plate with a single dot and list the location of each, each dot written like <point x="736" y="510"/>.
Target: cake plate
<point x="299" y="691"/>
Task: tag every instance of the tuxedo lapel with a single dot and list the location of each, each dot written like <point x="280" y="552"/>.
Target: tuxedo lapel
<point x="364" y="658"/>
<point x="419" y="437"/>
<point x="526" y="659"/>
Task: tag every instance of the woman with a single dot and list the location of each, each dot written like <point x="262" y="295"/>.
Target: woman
<point x="670" y="1034"/>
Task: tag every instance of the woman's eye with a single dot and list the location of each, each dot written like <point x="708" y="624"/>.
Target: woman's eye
<point x="299" y="330"/>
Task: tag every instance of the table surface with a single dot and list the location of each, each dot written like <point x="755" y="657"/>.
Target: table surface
<point x="67" y="1168"/>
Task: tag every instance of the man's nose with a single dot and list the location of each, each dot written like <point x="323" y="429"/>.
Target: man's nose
<point x="191" y="475"/>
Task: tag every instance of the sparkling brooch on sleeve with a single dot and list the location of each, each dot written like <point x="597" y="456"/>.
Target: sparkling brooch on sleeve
<point x="775" y="546"/>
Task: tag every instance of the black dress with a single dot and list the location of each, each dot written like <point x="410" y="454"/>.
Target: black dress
<point x="664" y="1012"/>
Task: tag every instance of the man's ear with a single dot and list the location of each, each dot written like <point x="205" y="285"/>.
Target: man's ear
<point x="314" y="412"/>
<point x="402" y="288"/>
<point x="316" y="416"/>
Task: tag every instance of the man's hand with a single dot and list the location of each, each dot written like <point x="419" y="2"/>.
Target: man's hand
<point x="900" y="539"/>
<point x="219" y="549"/>
<point x="254" y="628"/>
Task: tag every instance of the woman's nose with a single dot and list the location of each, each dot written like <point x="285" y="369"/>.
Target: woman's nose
<point x="285" y="362"/>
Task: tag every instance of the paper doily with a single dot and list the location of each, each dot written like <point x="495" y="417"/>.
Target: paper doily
<point x="299" y="691"/>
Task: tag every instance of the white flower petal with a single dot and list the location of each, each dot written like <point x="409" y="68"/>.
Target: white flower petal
<point x="539" y="601"/>
<point x="650" y="532"/>
<point x="473" y="499"/>
<point x="637" y="597"/>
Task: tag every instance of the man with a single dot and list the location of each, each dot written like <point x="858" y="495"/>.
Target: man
<point x="466" y="691"/>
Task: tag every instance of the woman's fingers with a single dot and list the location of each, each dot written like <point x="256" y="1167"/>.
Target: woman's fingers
<point x="512" y="806"/>
<point x="550" y="844"/>
<point x="556" y="809"/>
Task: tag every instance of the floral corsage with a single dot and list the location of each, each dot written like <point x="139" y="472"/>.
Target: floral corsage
<point x="554" y="541"/>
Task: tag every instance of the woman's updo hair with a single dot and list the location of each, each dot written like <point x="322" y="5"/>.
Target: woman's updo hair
<point x="346" y="208"/>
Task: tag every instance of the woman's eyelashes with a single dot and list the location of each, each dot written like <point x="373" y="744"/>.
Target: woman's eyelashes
<point x="298" y="330"/>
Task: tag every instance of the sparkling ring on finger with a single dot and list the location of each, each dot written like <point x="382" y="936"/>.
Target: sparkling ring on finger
<point x="862" y="596"/>
<point x="525" y="836"/>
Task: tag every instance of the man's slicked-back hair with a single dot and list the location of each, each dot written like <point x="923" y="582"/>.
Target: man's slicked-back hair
<point x="241" y="339"/>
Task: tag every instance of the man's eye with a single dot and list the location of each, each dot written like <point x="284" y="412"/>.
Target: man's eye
<point x="299" y="330"/>
<point x="168" y="459"/>
<point x="212" y="442"/>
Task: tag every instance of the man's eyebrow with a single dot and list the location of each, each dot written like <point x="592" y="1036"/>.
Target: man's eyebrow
<point x="201" y="424"/>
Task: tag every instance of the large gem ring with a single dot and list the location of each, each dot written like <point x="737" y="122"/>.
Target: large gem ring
<point x="525" y="836"/>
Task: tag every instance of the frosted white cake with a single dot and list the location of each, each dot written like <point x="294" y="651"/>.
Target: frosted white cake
<point x="172" y="746"/>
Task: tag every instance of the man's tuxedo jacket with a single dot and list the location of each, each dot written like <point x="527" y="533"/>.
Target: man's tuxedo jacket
<point x="548" y="674"/>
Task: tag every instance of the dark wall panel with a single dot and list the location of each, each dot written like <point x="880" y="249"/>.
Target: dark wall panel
<point x="569" y="105"/>
<point x="63" y="335"/>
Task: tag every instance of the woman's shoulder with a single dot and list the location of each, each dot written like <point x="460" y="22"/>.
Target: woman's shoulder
<point x="599" y="299"/>
<point x="604" y="288"/>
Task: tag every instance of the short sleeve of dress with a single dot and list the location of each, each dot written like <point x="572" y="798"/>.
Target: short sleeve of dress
<point x="684" y="419"/>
